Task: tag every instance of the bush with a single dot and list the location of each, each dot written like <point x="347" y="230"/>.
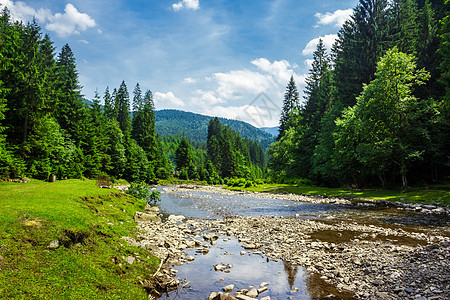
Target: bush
<point x="142" y="191"/>
<point x="103" y="180"/>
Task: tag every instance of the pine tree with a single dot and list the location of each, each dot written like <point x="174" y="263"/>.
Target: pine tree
<point x="290" y="103"/>
<point x="108" y="108"/>
<point x="123" y="110"/>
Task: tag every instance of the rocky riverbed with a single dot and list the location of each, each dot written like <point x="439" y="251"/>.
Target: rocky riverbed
<point x="362" y="261"/>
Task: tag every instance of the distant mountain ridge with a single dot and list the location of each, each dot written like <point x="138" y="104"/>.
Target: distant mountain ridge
<point x="272" y="130"/>
<point x="195" y="126"/>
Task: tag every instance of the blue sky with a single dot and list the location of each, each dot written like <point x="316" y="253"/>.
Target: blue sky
<point x="212" y="57"/>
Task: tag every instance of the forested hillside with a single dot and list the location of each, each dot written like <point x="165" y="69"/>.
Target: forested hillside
<point x="195" y="127"/>
<point x="376" y="109"/>
<point x="48" y="129"/>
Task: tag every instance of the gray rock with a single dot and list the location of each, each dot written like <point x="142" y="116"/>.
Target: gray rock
<point x="243" y="297"/>
<point x="253" y="293"/>
<point x="54" y="244"/>
<point x="409" y="290"/>
<point x="229" y="288"/>
<point x="262" y="290"/>
<point x="130" y="259"/>
<point x="175" y="219"/>
<point x="212" y="296"/>
<point x="146" y="217"/>
<point x="210" y="237"/>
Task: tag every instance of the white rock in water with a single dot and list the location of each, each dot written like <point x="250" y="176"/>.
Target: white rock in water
<point x="228" y="288"/>
<point x="252" y="293"/>
<point x="190" y="258"/>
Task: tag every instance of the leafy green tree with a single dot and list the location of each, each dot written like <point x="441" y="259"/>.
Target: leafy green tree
<point x="384" y="119"/>
<point x="290" y="103"/>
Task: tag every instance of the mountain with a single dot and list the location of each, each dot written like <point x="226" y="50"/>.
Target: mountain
<point x="272" y="130"/>
<point x="195" y="126"/>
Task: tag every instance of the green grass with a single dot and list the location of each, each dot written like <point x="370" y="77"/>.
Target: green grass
<point x="89" y="223"/>
<point x="438" y="194"/>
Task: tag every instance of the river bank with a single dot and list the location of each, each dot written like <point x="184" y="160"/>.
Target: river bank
<point x="371" y="261"/>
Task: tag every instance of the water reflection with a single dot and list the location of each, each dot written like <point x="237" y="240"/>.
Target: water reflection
<point x="247" y="270"/>
<point x="291" y="273"/>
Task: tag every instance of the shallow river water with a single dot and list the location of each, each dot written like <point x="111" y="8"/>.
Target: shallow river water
<point x="252" y="269"/>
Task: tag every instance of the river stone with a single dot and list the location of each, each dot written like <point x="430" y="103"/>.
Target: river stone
<point x="243" y="297"/>
<point x="210" y="237"/>
<point x="266" y="298"/>
<point x="262" y="290"/>
<point x="151" y="209"/>
<point x="212" y="296"/>
<point x="190" y="258"/>
<point x="175" y="219"/>
<point x="253" y="293"/>
<point x="229" y="288"/>
<point x="145" y="217"/>
<point x="249" y="246"/>
<point x="263" y="284"/>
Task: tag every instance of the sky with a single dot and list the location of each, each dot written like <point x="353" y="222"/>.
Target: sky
<point x="227" y="58"/>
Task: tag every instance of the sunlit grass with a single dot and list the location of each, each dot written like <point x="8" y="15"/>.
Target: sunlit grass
<point x="439" y="194"/>
<point x="88" y="222"/>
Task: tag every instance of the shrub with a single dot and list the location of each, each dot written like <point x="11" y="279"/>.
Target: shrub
<point x="103" y="180"/>
<point x="142" y="191"/>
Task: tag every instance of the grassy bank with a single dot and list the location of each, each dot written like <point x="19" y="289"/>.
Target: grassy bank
<point x="88" y="224"/>
<point x="434" y="194"/>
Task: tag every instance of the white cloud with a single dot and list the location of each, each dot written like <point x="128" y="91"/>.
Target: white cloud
<point x="234" y="84"/>
<point x="188" y="4"/>
<point x="83" y="42"/>
<point x="190" y="80"/>
<point x="328" y="41"/>
<point x="280" y="70"/>
<point x="71" y="22"/>
<point x="205" y="98"/>
<point x="168" y="98"/>
<point x="253" y="114"/>
<point x="336" y="18"/>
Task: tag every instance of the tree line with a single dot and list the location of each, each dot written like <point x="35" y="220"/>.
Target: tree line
<point x="376" y="109"/>
<point x="47" y="127"/>
<point x="226" y="155"/>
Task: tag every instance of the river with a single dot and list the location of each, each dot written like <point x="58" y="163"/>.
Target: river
<point x="252" y="267"/>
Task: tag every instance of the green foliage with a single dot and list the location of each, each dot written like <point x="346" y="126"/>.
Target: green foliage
<point x="141" y="190"/>
<point x="290" y="103"/>
<point x="89" y="224"/>
<point x="195" y="127"/>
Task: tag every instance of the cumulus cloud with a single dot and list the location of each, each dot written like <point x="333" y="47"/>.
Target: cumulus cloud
<point x="336" y="18"/>
<point x="203" y="98"/>
<point x="328" y="41"/>
<point x="190" y="80"/>
<point x="168" y="98"/>
<point x="188" y="4"/>
<point x="64" y="24"/>
<point x="280" y="70"/>
<point x="71" y="22"/>
<point x="232" y="85"/>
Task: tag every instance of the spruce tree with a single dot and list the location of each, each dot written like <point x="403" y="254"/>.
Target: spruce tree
<point x="290" y="102"/>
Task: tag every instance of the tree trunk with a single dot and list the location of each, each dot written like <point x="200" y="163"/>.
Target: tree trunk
<point x="404" y="180"/>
